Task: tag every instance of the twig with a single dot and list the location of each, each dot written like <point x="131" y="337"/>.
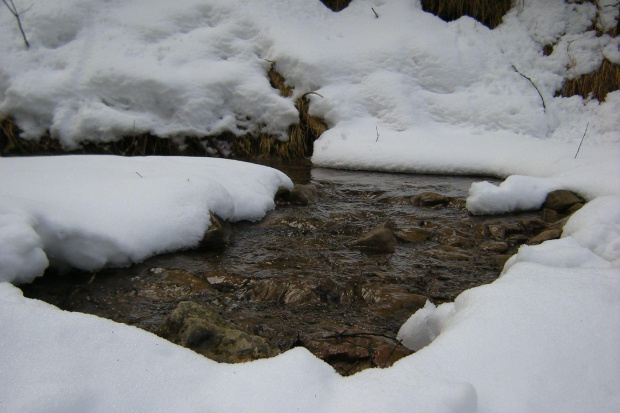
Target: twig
<point x="311" y="93"/>
<point x="139" y="175"/>
<point x="353" y="335"/>
<point x="373" y="10"/>
<point x="584" y="135"/>
<point x="387" y="360"/>
<point x="11" y="6"/>
<point x="535" y="87"/>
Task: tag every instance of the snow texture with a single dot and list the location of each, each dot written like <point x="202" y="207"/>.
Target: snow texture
<point x="402" y="92"/>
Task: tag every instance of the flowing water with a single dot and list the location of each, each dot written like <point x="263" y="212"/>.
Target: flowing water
<point x="294" y="278"/>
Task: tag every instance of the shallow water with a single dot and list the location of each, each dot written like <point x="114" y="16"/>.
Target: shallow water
<point x="293" y="278"/>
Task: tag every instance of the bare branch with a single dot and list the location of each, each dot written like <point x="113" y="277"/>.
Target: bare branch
<point x="13" y="9"/>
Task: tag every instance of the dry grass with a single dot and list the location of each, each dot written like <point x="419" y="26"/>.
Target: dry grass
<point x="487" y="12"/>
<point x="336" y="5"/>
<point x="596" y="84"/>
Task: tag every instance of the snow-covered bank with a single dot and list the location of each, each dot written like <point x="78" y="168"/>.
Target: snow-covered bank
<point x="543" y="337"/>
<point x="94" y="211"/>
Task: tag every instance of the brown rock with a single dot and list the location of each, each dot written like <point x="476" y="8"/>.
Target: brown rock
<point x="303" y="194"/>
<point x="574" y="208"/>
<point x="533" y="224"/>
<point x="216" y="236"/>
<point x="561" y="200"/>
<point x="549" y="215"/>
<point x="412" y="235"/>
<point x="545" y="236"/>
<point x="430" y="199"/>
<point x="494" y="246"/>
<point x="377" y="240"/>
<point x="206" y="332"/>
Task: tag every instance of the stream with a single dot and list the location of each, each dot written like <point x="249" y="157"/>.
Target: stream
<point x="296" y="279"/>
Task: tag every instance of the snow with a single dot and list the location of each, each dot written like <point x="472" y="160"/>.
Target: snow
<point x="403" y="92"/>
<point x="90" y="212"/>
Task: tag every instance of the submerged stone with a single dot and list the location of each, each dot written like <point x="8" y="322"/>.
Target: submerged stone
<point x="377" y="240"/>
<point x="430" y="199"/>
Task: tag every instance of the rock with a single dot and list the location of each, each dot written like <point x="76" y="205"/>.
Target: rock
<point x="561" y="200"/>
<point x="559" y="224"/>
<point x="545" y="236"/>
<point x="216" y="236"/>
<point x="206" y="332"/>
<point x="377" y="240"/>
<point x="549" y="215"/>
<point x="574" y="208"/>
<point x="282" y="194"/>
<point x="388" y="300"/>
<point x="350" y="351"/>
<point x="303" y="194"/>
<point x="497" y="232"/>
<point x="533" y="224"/>
<point x="500" y="260"/>
<point x="411" y="236"/>
<point x="430" y="199"/>
<point x="494" y="246"/>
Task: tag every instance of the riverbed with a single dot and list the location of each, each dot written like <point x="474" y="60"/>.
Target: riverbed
<point x="296" y="277"/>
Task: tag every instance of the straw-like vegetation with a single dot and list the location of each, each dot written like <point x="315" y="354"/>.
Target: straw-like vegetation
<point x="489" y="13"/>
<point x="336" y="5"/>
<point x="595" y="84"/>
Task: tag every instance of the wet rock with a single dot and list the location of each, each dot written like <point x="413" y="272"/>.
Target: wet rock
<point x="216" y="236"/>
<point x="559" y="224"/>
<point x="498" y="232"/>
<point x="549" y="215"/>
<point x="430" y="199"/>
<point x="494" y="246"/>
<point x="206" y="332"/>
<point x="282" y="194"/>
<point x="380" y="239"/>
<point x="387" y="300"/>
<point x="561" y="200"/>
<point x="303" y="194"/>
<point x="574" y="208"/>
<point x="531" y="224"/>
<point x="412" y="236"/>
<point x="500" y="260"/>
<point x="457" y="203"/>
<point x="545" y="236"/>
<point x="351" y="351"/>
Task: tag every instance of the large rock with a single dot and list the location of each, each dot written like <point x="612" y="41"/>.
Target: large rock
<point x="206" y="332"/>
<point x="561" y="200"/>
<point x="380" y="239"/>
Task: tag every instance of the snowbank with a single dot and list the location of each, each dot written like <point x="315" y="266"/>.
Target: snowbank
<point x="541" y="338"/>
<point x="90" y="212"/>
<point x="97" y="70"/>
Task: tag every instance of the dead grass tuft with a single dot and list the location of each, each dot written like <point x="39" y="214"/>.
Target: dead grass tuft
<point x="336" y="5"/>
<point x="489" y="13"/>
<point x="596" y="84"/>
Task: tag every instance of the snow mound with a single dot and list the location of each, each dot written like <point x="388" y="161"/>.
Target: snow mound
<point x="90" y="212"/>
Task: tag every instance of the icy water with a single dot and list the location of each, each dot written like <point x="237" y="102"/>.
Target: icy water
<point x="294" y="279"/>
